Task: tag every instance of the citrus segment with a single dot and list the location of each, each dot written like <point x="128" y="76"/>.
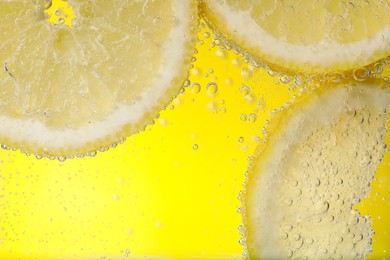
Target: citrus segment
<point x="308" y="35"/>
<point x="93" y="74"/>
<point x="313" y="169"/>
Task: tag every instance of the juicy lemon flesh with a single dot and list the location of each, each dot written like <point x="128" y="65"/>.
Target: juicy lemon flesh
<point x="79" y="73"/>
<point x="75" y="72"/>
<point x="316" y="166"/>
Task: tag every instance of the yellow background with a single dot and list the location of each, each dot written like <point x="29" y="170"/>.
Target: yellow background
<point x="169" y="191"/>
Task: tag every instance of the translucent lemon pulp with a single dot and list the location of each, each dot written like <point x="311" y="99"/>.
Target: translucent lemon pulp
<point x="69" y="88"/>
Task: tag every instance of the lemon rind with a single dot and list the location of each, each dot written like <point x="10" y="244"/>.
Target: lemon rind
<point x="34" y="137"/>
<point x="335" y="99"/>
<point x="325" y="56"/>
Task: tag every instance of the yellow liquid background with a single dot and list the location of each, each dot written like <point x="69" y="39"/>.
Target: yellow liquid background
<point x="170" y="191"/>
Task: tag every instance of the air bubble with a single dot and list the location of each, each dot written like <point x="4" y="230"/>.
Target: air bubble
<point x="212" y="88"/>
<point x="186" y="83"/>
<point x="5" y="147"/>
<point x="358" y="237"/>
<point x="285" y="79"/>
<point x="245" y="90"/>
<point x="195" y="88"/>
<point x="353" y="221"/>
<point x="284" y="236"/>
<point x="271" y="73"/>
<point x="243" y="117"/>
<point x="317" y="219"/>
<point x="236" y="62"/>
<point x="298" y="192"/>
<point x="246" y="73"/>
<point x="334" y="77"/>
<point x="48" y="4"/>
<point x="361" y="74"/>
<point x="252" y="118"/>
<point x="250" y="98"/>
<point x="228" y="81"/>
<point x="212" y="106"/>
<point x="294" y="183"/>
<point x="61" y="158"/>
<point x="92" y="153"/>
<point x="321" y="207"/>
<point x="323" y="251"/>
<point x="220" y="53"/>
<point x="196" y="72"/>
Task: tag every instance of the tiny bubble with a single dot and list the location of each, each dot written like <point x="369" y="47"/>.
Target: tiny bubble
<point x="252" y="118"/>
<point x="245" y="73"/>
<point x="245" y="90"/>
<point x="243" y="117"/>
<point x="220" y="53"/>
<point x="195" y="88"/>
<point x="284" y="236"/>
<point x="212" y="88"/>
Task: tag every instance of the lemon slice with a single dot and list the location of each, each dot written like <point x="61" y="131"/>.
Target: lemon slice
<point x="314" y="168"/>
<point x="314" y="36"/>
<point x="82" y="75"/>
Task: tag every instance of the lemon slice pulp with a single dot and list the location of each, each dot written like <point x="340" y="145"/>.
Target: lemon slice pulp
<point x="315" y="36"/>
<point x="314" y="168"/>
<point x="92" y="73"/>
